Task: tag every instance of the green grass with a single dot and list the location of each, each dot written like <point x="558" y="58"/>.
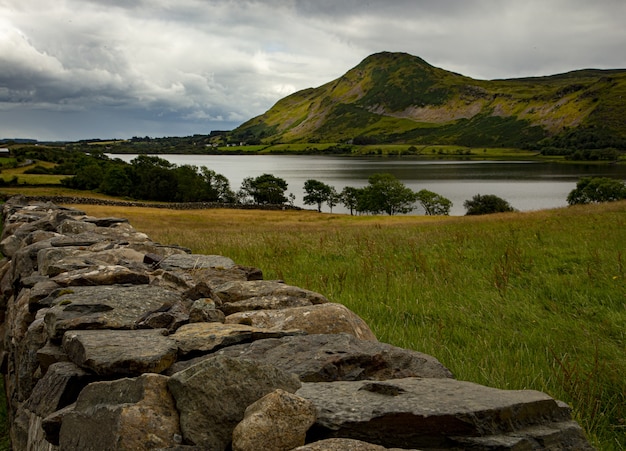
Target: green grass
<point x="516" y="301"/>
<point x="32" y="179"/>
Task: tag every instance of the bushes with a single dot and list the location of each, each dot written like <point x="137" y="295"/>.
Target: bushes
<point x="487" y="204"/>
<point x="595" y="190"/>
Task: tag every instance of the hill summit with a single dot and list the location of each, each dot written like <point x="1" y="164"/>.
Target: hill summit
<point x="397" y="97"/>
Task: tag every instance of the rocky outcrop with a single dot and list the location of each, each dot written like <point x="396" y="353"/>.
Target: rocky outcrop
<point x="112" y="341"/>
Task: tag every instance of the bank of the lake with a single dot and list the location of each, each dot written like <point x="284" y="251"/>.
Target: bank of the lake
<point x="527" y="185"/>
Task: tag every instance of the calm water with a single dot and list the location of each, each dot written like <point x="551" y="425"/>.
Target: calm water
<point x="525" y="185"/>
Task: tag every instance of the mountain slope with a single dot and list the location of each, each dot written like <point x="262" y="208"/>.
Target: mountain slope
<point x="396" y="97"/>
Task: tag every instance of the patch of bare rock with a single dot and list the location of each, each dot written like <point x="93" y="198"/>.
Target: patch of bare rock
<point x="111" y="341"/>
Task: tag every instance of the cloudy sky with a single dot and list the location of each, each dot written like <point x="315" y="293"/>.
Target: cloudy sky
<point x="77" y="69"/>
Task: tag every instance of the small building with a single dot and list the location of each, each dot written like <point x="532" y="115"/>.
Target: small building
<point x="4" y="152"/>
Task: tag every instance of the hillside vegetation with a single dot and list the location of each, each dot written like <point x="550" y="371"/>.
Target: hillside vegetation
<point x="396" y="97"/>
<point x="517" y="300"/>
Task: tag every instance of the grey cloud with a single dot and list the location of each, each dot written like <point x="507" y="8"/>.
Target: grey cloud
<point x="137" y="65"/>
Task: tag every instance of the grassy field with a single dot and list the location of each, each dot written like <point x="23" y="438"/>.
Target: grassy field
<point x="516" y="301"/>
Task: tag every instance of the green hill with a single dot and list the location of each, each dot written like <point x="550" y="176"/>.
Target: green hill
<point x="400" y="98"/>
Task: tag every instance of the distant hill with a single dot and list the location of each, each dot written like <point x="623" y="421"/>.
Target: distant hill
<point x="397" y="97"/>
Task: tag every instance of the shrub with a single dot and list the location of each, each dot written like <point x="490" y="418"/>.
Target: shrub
<point x="487" y="204"/>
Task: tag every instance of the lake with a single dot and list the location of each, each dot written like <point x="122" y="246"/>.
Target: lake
<point x="525" y="185"/>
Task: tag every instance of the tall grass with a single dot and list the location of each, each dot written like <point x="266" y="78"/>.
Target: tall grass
<point x="516" y="301"/>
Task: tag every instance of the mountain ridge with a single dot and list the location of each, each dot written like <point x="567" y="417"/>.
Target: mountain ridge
<point x="397" y="97"/>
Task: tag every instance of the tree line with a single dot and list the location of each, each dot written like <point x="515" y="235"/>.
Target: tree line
<point x="150" y="177"/>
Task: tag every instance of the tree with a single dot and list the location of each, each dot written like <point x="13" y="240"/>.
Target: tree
<point x="333" y="198"/>
<point x="116" y="181"/>
<point x="486" y="204"/>
<point x="433" y="203"/>
<point x="596" y="189"/>
<point x="264" y="189"/>
<point x="316" y="193"/>
<point x="218" y="186"/>
<point x="349" y="198"/>
<point x="387" y="194"/>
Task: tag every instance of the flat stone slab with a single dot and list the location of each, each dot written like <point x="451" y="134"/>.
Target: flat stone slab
<point x="120" y="352"/>
<point x="326" y="358"/>
<point x="423" y="412"/>
<point x="235" y="291"/>
<point x="327" y="318"/>
<point x="202" y="338"/>
<point x="189" y="262"/>
<point x="104" y="307"/>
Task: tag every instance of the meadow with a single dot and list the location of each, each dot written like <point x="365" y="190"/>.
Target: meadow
<point x="515" y="301"/>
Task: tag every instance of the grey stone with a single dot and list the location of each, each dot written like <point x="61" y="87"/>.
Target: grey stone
<point x="326" y="358"/>
<point x="126" y="414"/>
<point x="235" y="291"/>
<point x="74" y="227"/>
<point x="328" y="318"/>
<point x="202" y="338"/>
<point x="102" y="275"/>
<point x="426" y="413"/>
<point x="204" y="310"/>
<point x="170" y="319"/>
<point x="58" y="388"/>
<point x="104" y="222"/>
<point x="50" y="354"/>
<point x="278" y="421"/>
<point x="105" y="307"/>
<point x="271" y="302"/>
<point x="120" y="352"/>
<point x="212" y="397"/>
<point x="192" y="262"/>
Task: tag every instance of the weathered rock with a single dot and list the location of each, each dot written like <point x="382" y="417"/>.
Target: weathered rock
<point x="317" y="358"/>
<point x="75" y="227"/>
<point x="202" y="338"/>
<point x="272" y="302"/>
<point x="25" y="359"/>
<point x="84" y="239"/>
<point x="177" y="281"/>
<point x="235" y="291"/>
<point x="276" y="422"/>
<point x="343" y="444"/>
<point x="126" y="414"/>
<point x="218" y="276"/>
<point x="213" y="395"/>
<point x="58" y="388"/>
<point x="10" y="245"/>
<point x="190" y="262"/>
<point x="120" y="352"/>
<point x="57" y="260"/>
<point x="122" y="232"/>
<point x="50" y="354"/>
<point x="204" y="310"/>
<point x="436" y="414"/>
<point x="41" y="290"/>
<point x="102" y="275"/>
<point x="104" y="222"/>
<point x="326" y="318"/>
<point x="25" y="260"/>
<point x="170" y="319"/>
<point x="105" y="307"/>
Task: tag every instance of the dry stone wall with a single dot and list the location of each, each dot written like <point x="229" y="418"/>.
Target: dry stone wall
<point x="114" y="342"/>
